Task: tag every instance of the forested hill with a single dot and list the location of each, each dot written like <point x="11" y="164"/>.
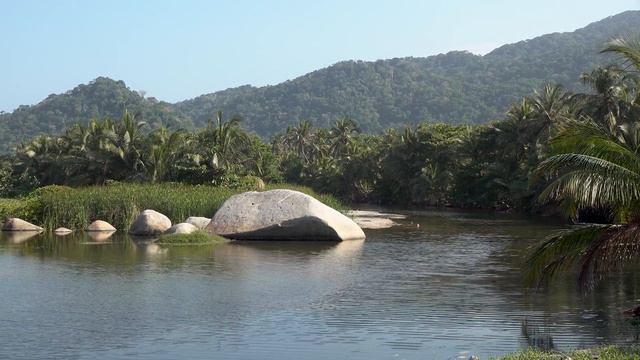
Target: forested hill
<point x="457" y="87"/>
<point x="100" y="98"/>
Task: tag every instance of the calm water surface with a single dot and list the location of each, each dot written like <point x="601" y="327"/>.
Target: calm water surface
<point x="447" y="289"/>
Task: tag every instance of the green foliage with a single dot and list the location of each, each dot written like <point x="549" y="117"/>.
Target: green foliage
<point x="594" y="163"/>
<point x="195" y="238"/>
<point x="12" y="208"/>
<point x="119" y="150"/>
<point x="100" y="98"/>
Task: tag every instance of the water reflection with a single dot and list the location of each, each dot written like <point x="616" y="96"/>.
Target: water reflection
<point x="17" y="237"/>
<point x="450" y="287"/>
<point x="536" y="337"/>
<point x="100" y="236"/>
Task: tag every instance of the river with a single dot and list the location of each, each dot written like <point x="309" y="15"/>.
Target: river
<point x="445" y="289"/>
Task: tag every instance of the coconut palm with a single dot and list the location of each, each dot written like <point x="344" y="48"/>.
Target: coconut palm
<point x="596" y="168"/>
<point x="341" y="136"/>
<point x="126" y="146"/>
<point x="301" y="139"/>
<point x="628" y="49"/>
<point x="551" y="105"/>
<point x="613" y="96"/>
<point x="163" y="153"/>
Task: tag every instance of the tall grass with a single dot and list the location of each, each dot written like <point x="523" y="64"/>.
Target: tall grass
<point x="120" y="203"/>
<point x="10" y="207"/>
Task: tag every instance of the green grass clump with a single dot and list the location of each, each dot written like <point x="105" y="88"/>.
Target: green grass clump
<point x="11" y="208"/>
<point x="197" y="237"/>
<point x="601" y="353"/>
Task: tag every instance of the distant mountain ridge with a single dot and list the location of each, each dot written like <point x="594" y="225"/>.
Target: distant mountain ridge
<point x="457" y="87"/>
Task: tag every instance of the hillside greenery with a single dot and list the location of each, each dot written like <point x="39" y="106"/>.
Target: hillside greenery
<point x="453" y="88"/>
<point x="100" y="98"/>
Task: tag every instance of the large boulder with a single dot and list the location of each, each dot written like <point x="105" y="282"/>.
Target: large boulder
<point x="15" y="224"/>
<point x="100" y="225"/>
<point x="197" y="221"/>
<point x="149" y="223"/>
<point x="182" y="228"/>
<point x="281" y="215"/>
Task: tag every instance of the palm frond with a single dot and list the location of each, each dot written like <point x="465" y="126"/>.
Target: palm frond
<point x="592" y="183"/>
<point x="561" y="252"/>
<point x="628" y="48"/>
<point x="618" y="247"/>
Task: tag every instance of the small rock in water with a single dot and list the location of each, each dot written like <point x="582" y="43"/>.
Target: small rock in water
<point x="474" y="357"/>
<point x="62" y="231"/>
<point x="367" y="219"/>
<point x="182" y="228"/>
<point x="150" y="222"/>
<point x="100" y="225"/>
<point x="16" y="224"/>
<point x="198" y="221"/>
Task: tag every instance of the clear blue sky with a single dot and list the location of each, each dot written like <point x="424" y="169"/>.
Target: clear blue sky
<point x="176" y="50"/>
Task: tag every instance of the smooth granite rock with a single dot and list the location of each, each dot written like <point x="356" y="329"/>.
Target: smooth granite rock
<point x="100" y="225"/>
<point x="182" y="228"/>
<point x="281" y="215"/>
<point x="62" y="231"/>
<point x="16" y="224"/>
<point x="149" y="223"/>
<point x="199" y="222"/>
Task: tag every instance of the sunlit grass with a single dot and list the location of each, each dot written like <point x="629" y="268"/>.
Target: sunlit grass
<point x="601" y="353"/>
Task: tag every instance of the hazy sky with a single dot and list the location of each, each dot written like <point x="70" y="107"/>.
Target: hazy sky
<point x="176" y="50"/>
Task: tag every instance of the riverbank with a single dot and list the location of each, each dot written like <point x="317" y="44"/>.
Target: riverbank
<point x="119" y="204"/>
<point x="601" y="353"/>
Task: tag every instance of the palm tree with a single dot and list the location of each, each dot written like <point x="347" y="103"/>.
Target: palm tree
<point x="163" y="153"/>
<point x="594" y="167"/>
<point x="549" y="106"/>
<point x="341" y="136"/>
<point x="591" y="169"/>
<point x="300" y="139"/>
<point x="613" y="95"/>
<point x="126" y="146"/>
<point x="222" y="144"/>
